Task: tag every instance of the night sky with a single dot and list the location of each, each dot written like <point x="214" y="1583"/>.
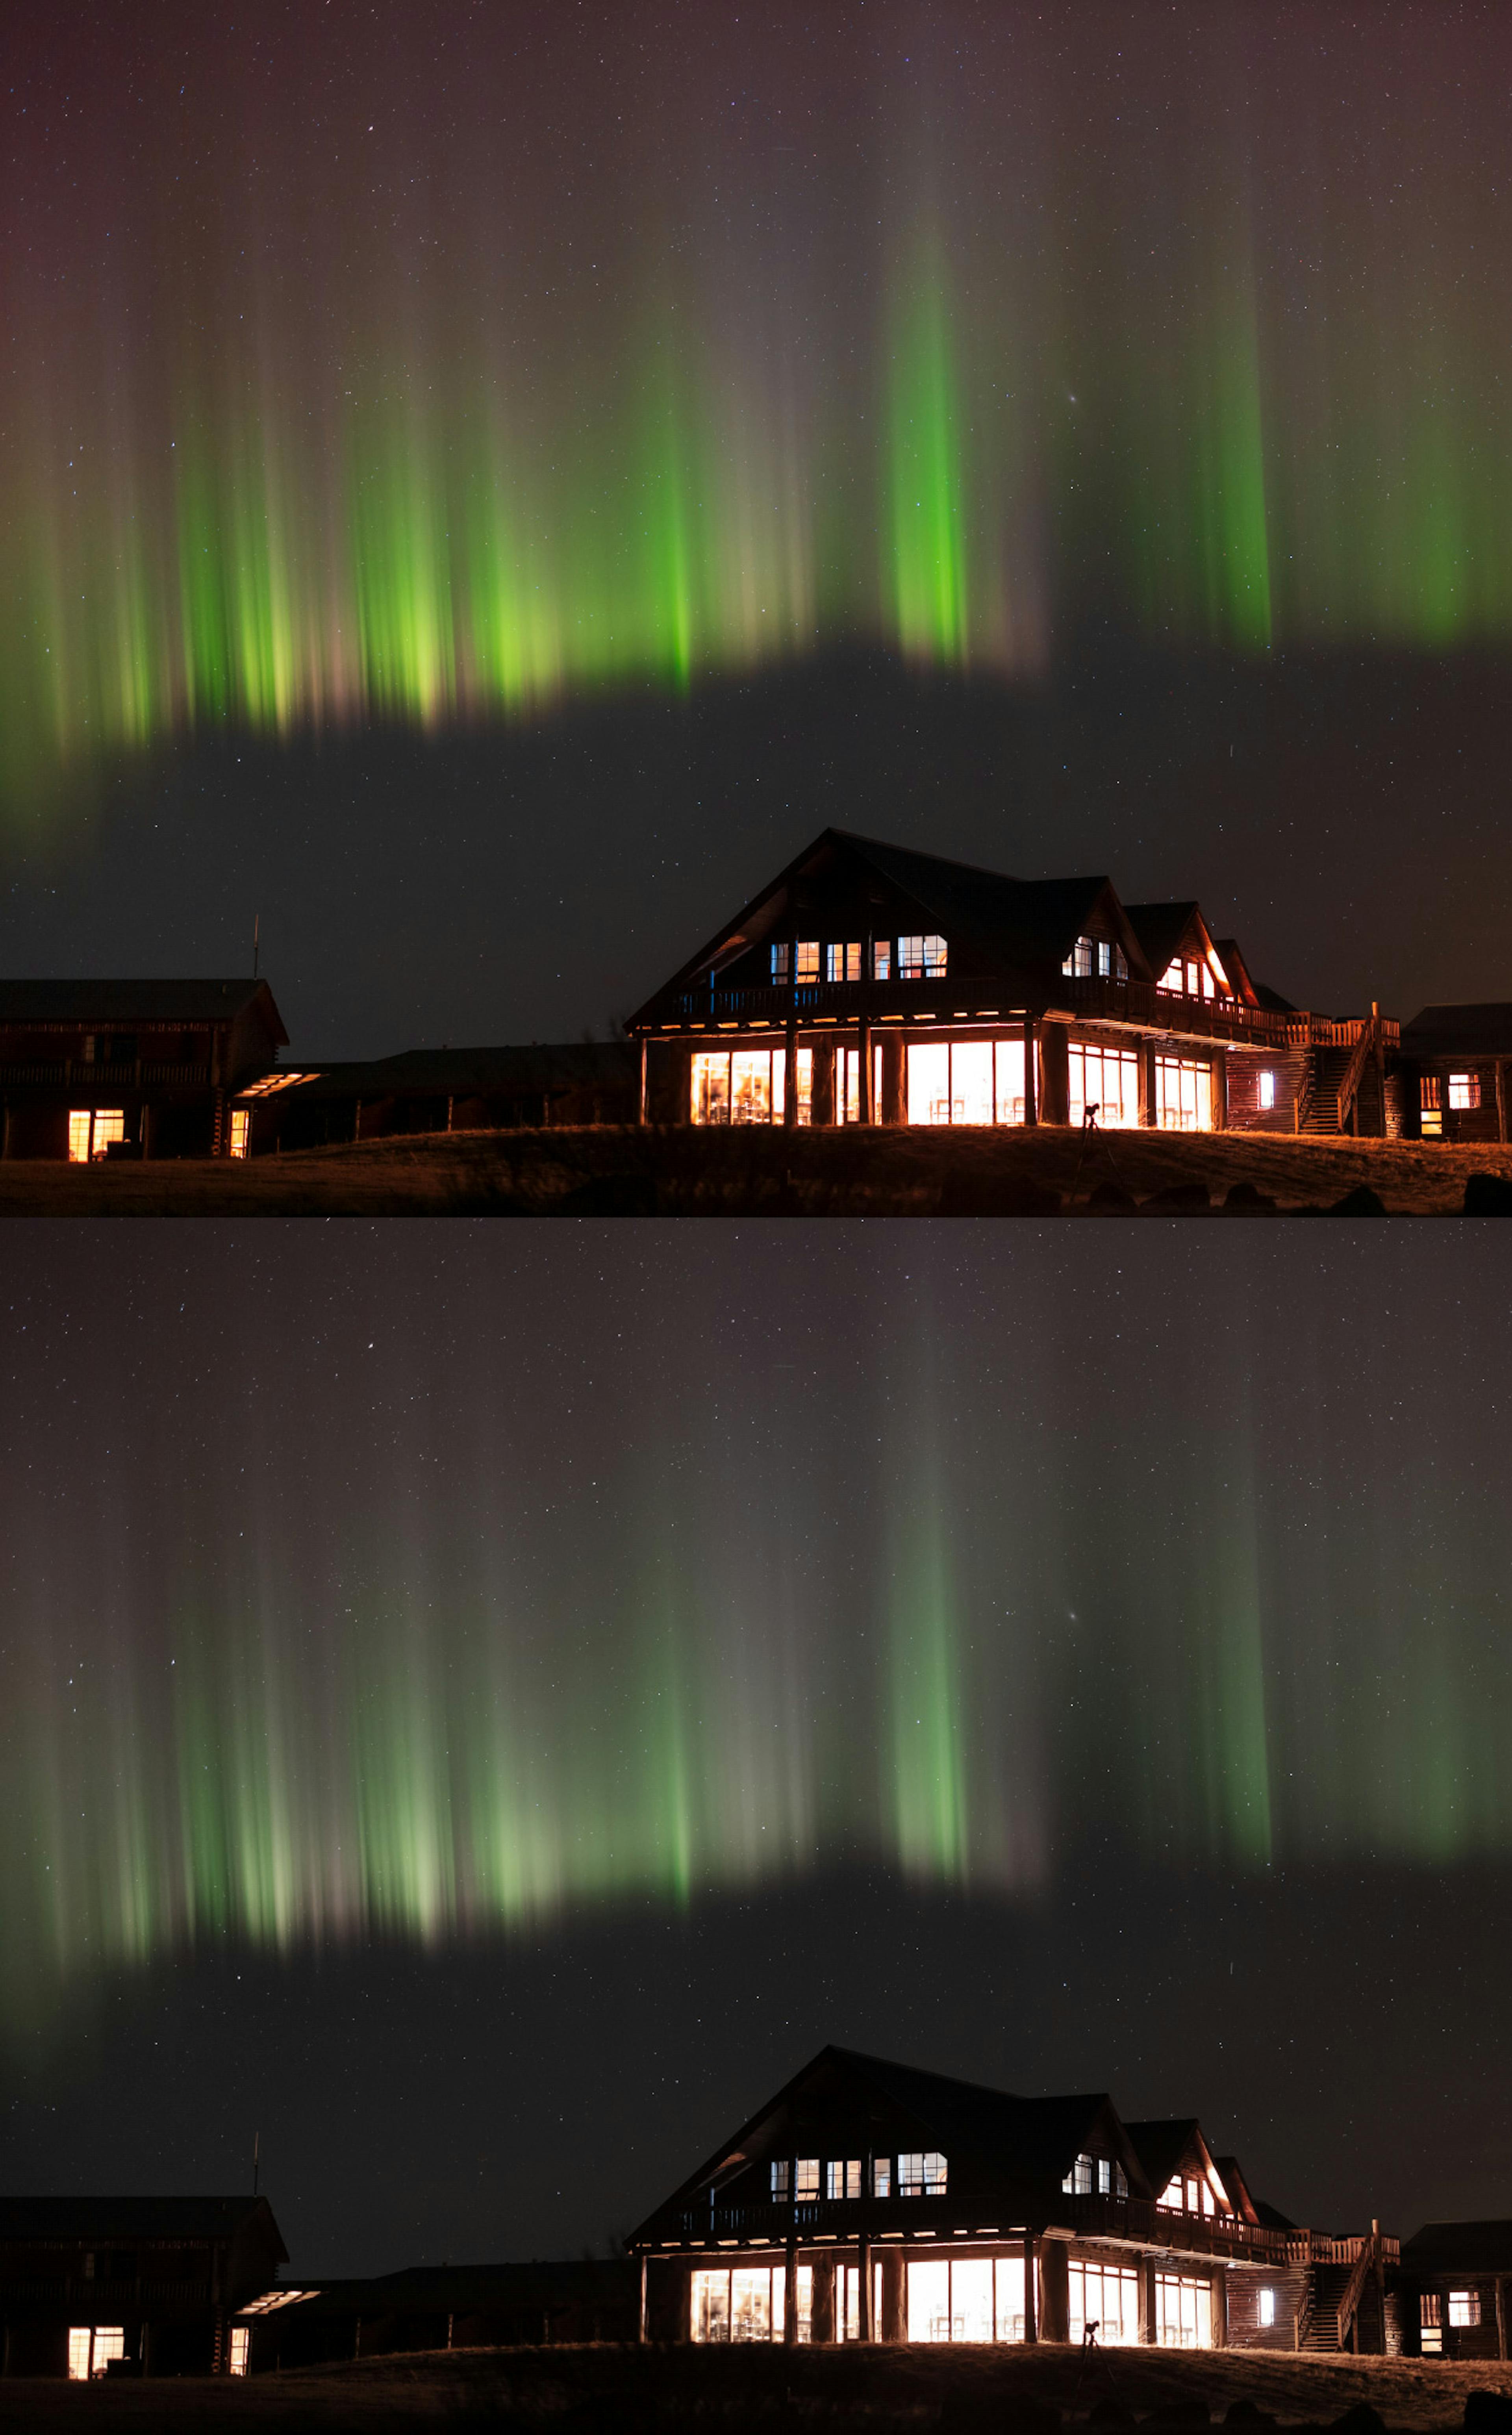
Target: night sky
<point x="479" y="487"/>
<point x="480" y="1705"/>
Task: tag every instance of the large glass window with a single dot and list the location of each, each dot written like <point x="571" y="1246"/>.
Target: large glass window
<point x="90" y="1129"/>
<point x="747" y="2304"/>
<point x="1464" y="2308"/>
<point x="922" y="958"/>
<point x="848" y="2309"/>
<point x="965" y="2300"/>
<point x="240" y="2343"/>
<point x="1464" y="1090"/>
<point x="1184" y="1095"/>
<point x="1107" y="2297"/>
<point x="848" y="1086"/>
<point x="965" y="1083"/>
<point x="90" y="2348"/>
<point x="1183" y="2313"/>
<point x="1107" y="1080"/>
<point x="748" y="1086"/>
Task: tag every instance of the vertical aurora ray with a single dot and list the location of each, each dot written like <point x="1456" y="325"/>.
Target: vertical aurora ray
<point x="926" y="569"/>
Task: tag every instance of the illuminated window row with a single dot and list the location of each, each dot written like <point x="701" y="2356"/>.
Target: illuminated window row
<point x="922" y="956"/>
<point x="920" y="2174"/>
<point x="1194" y="2194"/>
<point x="90" y="1131"/>
<point x="1195" y="976"/>
<point x="950" y="2300"/>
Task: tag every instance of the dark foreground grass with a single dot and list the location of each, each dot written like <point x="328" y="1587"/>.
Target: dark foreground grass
<point x="748" y="2390"/>
<point x="607" y="1171"/>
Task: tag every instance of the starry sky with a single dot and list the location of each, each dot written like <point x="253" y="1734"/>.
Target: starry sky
<point x="480" y="485"/>
<point x="1057" y="1661"/>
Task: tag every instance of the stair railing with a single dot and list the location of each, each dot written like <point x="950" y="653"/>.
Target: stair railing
<point x="1355" y="1068"/>
<point x="1353" y="2289"/>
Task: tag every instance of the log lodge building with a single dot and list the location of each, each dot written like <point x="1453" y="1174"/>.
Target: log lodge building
<point x="867" y="984"/>
<point x="866" y="2202"/>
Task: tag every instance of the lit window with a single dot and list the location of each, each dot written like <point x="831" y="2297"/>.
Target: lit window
<point x="240" y="2340"/>
<point x="1105" y="2177"/>
<point x="779" y="2173"/>
<point x="1429" y="1101"/>
<point x="745" y="2304"/>
<point x="881" y="959"/>
<point x="963" y="2299"/>
<point x="1266" y="2310"/>
<point x="1104" y="959"/>
<point x="1172" y="980"/>
<point x="806" y="2177"/>
<point x="780" y="963"/>
<point x="241" y="1126"/>
<point x="748" y="1086"/>
<point x="1268" y="1089"/>
<point x="1183" y="2313"/>
<point x="1463" y="1091"/>
<point x="808" y="959"/>
<point x="843" y="964"/>
<point x="1081" y="2177"/>
<point x="842" y="2180"/>
<point x="110" y="1125"/>
<point x="921" y="2175"/>
<point x="1184" y="1095"/>
<point x="882" y="2177"/>
<point x="79" y="2338"/>
<point x="1207" y="2205"/>
<point x="848" y="2328"/>
<point x="1429" y="2321"/>
<point x="1208" y="990"/>
<point x="965" y="1083"/>
<point x="1173" y="2197"/>
<point x="78" y="1125"/>
<point x="1191" y="978"/>
<point x="1107" y="2297"/>
<point x="921" y="957"/>
<point x="1464" y="2308"/>
<point x="1107" y="1080"/>
<point x="848" y="1085"/>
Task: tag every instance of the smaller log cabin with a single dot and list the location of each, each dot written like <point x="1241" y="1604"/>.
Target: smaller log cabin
<point x="115" y="1069"/>
<point x="1455" y="1074"/>
<point x="93" y="2287"/>
<point x="440" y="1091"/>
<point x="1455" y="2292"/>
<point x="870" y="2202"/>
<point x="441" y="2308"/>
<point x="870" y="984"/>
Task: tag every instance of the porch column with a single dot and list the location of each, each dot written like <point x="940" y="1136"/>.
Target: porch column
<point x="790" y="2292"/>
<point x="1500" y="1100"/>
<point x="1055" y="2291"/>
<point x="1220" y="2308"/>
<point x="829" y="1089"/>
<point x="1220" y="1092"/>
<point x="790" y="1073"/>
<point x="1149" y="2323"/>
<point x="894" y="2314"/>
<point x="1031" y="2310"/>
<point x="869" y="1112"/>
<point x="823" y="2325"/>
<point x="868" y="2331"/>
<point x="894" y="1107"/>
<point x="1031" y="1093"/>
<point x="1501" y="2315"/>
<point x="641" y="2334"/>
<point x="1149" y="1104"/>
<point x="640" y="1111"/>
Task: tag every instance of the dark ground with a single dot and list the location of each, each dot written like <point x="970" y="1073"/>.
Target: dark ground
<point x="753" y="1171"/>
<point x="602" y="2386"/>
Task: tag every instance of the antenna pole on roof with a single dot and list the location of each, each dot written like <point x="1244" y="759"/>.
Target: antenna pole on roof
<point x="256" y="925"/>
<point x="257" y="2141"/>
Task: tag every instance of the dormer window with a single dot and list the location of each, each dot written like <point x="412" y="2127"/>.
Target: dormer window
<point x="921" y="957"/>
<point x="921" y="2175"/>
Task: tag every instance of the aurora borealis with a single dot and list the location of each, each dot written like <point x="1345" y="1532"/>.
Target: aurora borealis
<point x="444" y="1597"/>
<point x="434" y="366"/>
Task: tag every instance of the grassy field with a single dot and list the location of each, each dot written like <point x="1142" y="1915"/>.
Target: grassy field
<point x="754" y="1173"/>
<point x="639" y="2391"/>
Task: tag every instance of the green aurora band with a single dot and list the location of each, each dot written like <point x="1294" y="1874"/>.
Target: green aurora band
<point x="575" y="1589"/>
<point x="288" y="463"/>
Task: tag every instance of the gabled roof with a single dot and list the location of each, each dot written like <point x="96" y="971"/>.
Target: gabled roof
<point x="1481" y="2247"/>
<point x="137" y="1002"/>
<point x="107" y="2220"/>
<point x="1163" y="2147"/>
<point x="1160" y="929"/>
<point x="1023" y="923"/>
<point x="1483" y="1029"/>
<point x="1029" y="2142"/>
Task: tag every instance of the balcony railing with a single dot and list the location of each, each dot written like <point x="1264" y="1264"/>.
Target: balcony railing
<point x="98" y="1082"/>
<point x="968" y="997"/>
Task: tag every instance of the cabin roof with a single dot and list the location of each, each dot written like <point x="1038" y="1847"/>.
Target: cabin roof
<point x="536" y="2285"/>
<point x="1480" y="2246"/>
<point x="137" y="1002"/>
<point x="575" y="1064"/>
<point x="1163" y="2147"/>
<point x="1481" y="1030"/>
<point x="106" y="2220"/>
<point x="1160" y="929"/>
